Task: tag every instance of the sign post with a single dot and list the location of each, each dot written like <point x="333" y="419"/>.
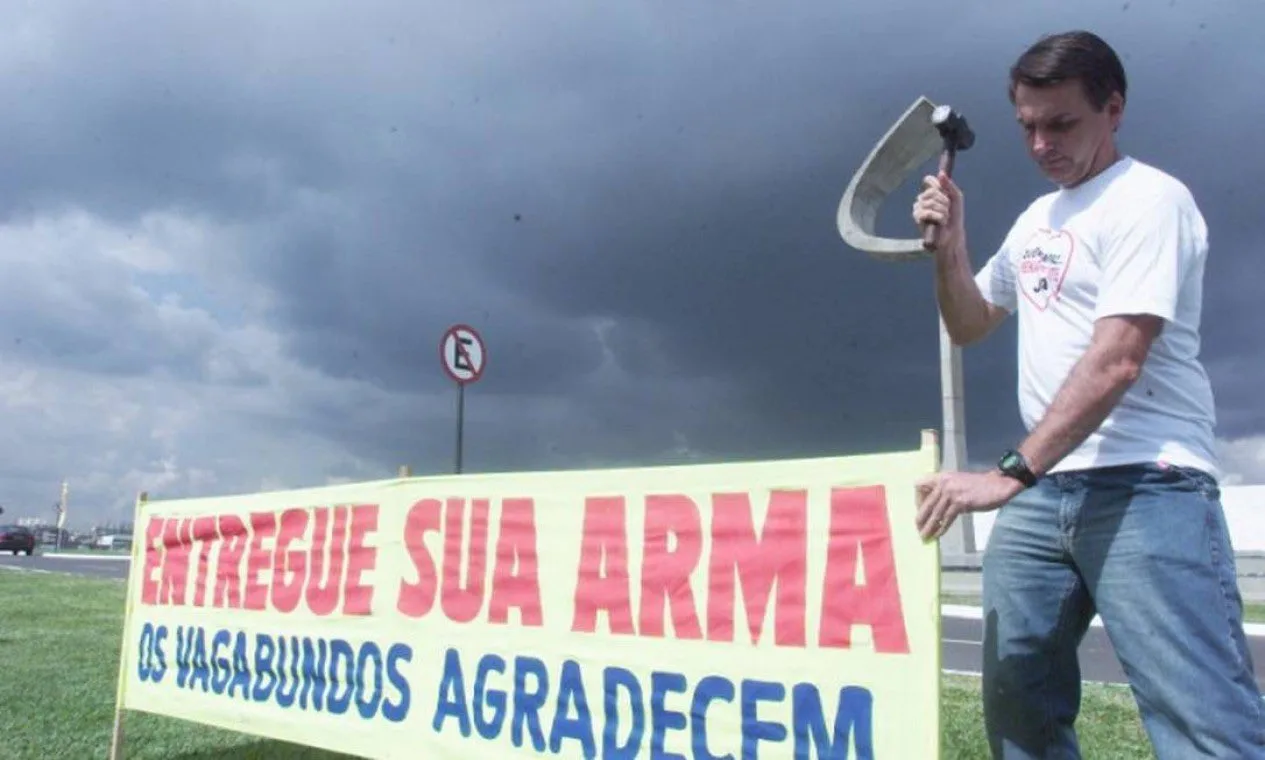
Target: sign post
<point x="913" y="140"/>
<point x="462" y="353"/>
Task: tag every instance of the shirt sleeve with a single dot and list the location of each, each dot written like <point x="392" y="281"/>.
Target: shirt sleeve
<point x="996" y="279"/>
<point x="1147" y="254"/>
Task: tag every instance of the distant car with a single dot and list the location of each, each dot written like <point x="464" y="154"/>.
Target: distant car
<point x="17" y="539"/>
<point x="111" y="541"/>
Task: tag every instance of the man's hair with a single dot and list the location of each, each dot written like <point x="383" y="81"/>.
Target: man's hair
<point x="1075" y="55"/>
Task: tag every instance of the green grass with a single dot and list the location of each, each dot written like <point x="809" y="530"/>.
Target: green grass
<point x="59" y="641"/>
<point x="60" y="638"/>
<point x="1108" y="726"/>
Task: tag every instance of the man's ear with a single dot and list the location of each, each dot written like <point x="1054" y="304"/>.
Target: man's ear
<point x="1115" y="110"/>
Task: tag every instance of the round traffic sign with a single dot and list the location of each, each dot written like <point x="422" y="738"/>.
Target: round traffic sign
<point x="461" y="351"/>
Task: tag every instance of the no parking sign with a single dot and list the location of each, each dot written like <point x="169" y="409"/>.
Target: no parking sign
<point x="463" y="355"/>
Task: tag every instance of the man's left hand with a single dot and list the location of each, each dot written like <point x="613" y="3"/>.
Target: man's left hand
<point x="945" y="495"/>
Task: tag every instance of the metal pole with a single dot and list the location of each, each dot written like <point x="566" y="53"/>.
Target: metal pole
<point x="461" y="421"/>
<point x="954" y="452"/>
<point x="61" y="511"/>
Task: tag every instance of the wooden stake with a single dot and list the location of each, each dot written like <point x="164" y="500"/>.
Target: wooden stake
<point x="116" y="735"/>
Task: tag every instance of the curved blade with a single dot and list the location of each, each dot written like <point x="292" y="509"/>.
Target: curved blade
<point x="911" y="142"/>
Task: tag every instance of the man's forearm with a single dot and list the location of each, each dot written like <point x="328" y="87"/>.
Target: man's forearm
<point x="962" y="305"/>
<point x="1092" y="389"/>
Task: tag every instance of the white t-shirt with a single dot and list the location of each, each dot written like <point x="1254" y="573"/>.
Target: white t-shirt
<point x="1129" y="241"/>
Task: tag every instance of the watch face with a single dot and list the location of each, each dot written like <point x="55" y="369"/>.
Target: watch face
<point x="1013" y="465"/>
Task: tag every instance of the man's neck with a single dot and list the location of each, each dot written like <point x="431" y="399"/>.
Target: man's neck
<point x="1105" y="160"/>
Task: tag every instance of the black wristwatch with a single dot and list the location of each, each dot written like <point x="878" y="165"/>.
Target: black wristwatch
<point x="1013" y="465"/>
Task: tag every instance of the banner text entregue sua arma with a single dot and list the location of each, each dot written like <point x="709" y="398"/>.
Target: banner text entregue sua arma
<point x="320" y="559"/>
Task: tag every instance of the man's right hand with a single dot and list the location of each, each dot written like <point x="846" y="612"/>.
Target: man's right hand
<point x="941" y="203"/>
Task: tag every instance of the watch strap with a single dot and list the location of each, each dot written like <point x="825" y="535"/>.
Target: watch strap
<point x="1014" y="465"/>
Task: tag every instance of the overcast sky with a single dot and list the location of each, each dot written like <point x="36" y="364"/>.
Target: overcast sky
<point x="232" y="237"/>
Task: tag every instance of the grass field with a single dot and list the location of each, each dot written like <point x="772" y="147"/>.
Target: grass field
<point x="59" y="642"/>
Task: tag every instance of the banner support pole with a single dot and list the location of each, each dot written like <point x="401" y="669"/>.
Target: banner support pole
<point x="138" y="557"/>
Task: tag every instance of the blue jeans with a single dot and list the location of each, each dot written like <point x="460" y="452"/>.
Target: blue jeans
<point x="1146" y="547"/>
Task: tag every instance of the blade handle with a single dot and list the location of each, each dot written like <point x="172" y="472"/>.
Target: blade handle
<point x="930" y="229"/>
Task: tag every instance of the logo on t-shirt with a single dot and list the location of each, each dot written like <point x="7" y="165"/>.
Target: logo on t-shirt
<point x="1043" y="265"/>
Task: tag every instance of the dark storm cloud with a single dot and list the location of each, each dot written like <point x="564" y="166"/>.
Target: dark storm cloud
<point x="726" y="243"/>
<point x="635" y="207"/>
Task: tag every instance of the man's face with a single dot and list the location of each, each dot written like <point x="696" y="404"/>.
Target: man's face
<point x="1066" y="137"/>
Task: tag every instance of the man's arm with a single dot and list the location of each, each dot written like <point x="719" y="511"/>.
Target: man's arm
<point x="968" y="316"/>
<point x="1112" y="363"/>
<point x="1151" y="247"/>
<point x="1095" y="385"/>
<point x="971" y="308"/>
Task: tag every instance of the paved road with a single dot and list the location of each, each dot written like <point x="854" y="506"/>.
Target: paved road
<point x="962" y="637"/>
<point x="962" y="651"/>
<point x="91" y="566"/>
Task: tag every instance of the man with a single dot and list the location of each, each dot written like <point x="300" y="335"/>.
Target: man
<point x="1111" y="503"/>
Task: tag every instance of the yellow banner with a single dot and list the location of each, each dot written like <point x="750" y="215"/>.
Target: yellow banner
<point x="782" y="609"/>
